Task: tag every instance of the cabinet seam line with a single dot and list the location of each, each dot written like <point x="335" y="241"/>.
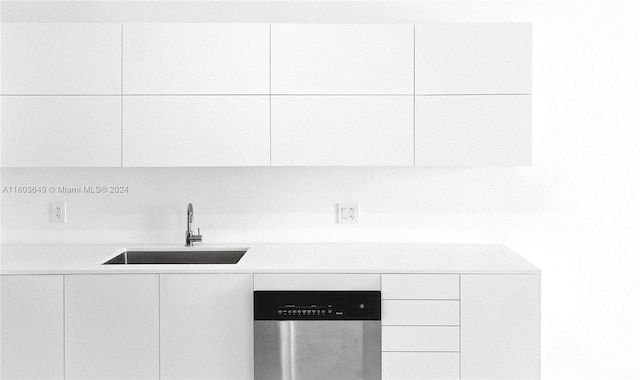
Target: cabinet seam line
<point x="64" y="328"/>
<point x="460" y="326"/>
<point x="270" y="131"/>
<point x="159" y="333"/>
<point x="122" y="95"/>
<point x="414" y="94"/>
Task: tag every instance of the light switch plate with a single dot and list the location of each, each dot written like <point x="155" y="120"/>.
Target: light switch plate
<point x="348" y="213"/>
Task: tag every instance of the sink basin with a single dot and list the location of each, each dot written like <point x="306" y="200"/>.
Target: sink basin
<point x="228" y="256"/>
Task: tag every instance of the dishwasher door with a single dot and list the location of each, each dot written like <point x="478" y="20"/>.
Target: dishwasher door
<point x="318" y="350"/>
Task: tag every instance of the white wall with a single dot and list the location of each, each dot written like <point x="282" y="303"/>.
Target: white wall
<point x="575" y="212"/>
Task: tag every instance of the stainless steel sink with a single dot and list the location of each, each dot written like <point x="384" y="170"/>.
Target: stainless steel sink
<point x="229" y="256"/>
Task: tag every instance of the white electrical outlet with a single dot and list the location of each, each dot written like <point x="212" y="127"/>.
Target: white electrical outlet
<point x="348" y="213"/>
<point x="59" y="212"/>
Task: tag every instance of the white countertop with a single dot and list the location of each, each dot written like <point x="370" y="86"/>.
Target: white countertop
<point x="278" y="258"/>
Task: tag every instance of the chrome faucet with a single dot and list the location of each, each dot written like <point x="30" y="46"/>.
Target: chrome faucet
<point x="190" y="238"/>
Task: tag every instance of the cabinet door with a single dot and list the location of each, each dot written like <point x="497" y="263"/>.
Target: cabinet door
<point x="500" y="326"/>
<point x="112" y="327"/>
<point x="491" y="58"/>
<point x="196" y="59"/>
<point x="342" y="59"/>
<point x="32" y="327"/>
<point x="61" y="131"/>
<point x="61" y="59"/>
<point x="196" y="131"/>
<point x="206" y="323"/>
<point x="342" y="130"/>
<point x="486" y="130"/>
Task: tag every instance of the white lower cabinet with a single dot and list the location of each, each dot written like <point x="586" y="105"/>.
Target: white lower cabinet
<point x="206" y="326"/>
<point x="32" y="327"/>
<point x="491" y="332"/>
<point x="420" y="326"/>
<point x="500" y="326"/>
<point x="194" y="326"/>
<point x="111" y="326"/>
<point x="420" y="365"/>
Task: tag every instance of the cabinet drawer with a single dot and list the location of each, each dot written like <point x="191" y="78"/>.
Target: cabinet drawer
<point x="420" y="286"/>
<point x="316" y="282"/>
<point x="420" y="338"/>
<point x="420" y="365"/>
<point x="420" y="312"/>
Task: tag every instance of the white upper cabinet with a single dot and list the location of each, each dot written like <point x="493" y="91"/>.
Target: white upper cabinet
<point x="214" y="94"/>
<point x="196" y="130"/>
<point x="61" y="59"/>
<point x="342" y="130"/>
<point x="61" y="131"/>
<point x="342" y="59"/>
<point x="491" y="130"/>
<point x="196" y="59"/>
<point x="469" y="58"/>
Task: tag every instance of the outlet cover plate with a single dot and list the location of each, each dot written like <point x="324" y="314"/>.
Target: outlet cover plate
<point x="348" y="213"/>
<point x="59" y="212"/>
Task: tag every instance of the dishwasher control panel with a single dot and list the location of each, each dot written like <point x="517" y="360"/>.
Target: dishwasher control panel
<point x="316" y="305"/>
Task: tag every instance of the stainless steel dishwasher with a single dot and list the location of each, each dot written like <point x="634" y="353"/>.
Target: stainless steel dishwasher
<point x="304" y="335"/>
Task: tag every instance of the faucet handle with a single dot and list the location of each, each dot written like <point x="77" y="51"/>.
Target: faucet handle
<point x="197" y="238"/>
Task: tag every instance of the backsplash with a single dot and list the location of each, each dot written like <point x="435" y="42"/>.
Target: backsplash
<point x="268" y="204"/>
